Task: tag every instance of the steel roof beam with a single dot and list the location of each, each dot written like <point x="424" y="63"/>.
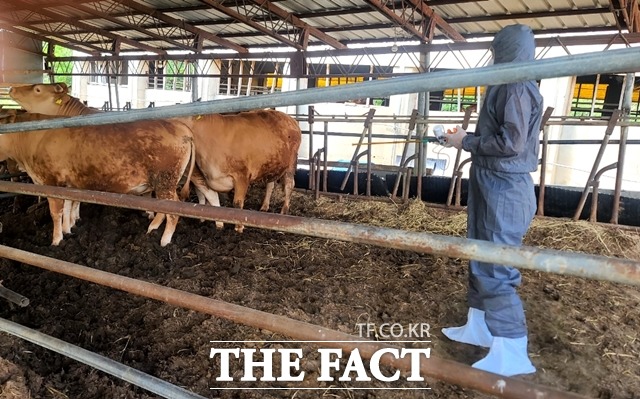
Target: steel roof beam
<point x="585" y="40"/>
<point x="246" y="19"/>
<point x="402" y="21"/>
<point x="626" y="13"/>
<point x="183" y="25"/>
<point x="128" y="25"/>
<point x="298" y="23"/>
<point x="360" y="10"/>
<point x="55" y="17"/>
<point x="530" y="15"/>
<point x="480" y="45"/>
<point x="442" y="25"/>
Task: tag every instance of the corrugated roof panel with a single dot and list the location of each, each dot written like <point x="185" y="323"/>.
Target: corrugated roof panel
<point x="66" y="12"/>
<point x="159" y="4"/>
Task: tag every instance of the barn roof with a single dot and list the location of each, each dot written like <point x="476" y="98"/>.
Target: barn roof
<point x="196" y="26"/>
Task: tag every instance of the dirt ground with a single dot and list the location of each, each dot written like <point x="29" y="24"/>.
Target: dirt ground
<point x="583" y="334"/>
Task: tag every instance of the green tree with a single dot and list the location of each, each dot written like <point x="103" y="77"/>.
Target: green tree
<point x="62" y="67"/>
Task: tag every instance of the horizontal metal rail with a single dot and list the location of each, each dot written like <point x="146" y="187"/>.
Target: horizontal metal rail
<point x="581" y="265"/>
<point x="126" y="373"/>
<point x="616" y="61"/>
<point x="13" y="297"/>
<point x="441" y="369"/>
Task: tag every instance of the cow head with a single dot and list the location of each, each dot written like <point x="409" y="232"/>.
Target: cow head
<point x="41" y="98"/>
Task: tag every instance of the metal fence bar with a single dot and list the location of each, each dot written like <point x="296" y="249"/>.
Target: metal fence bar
<point x="576" y="264"/>
<point x="624" y="60"/>
<point x="441" y="369"/>
<point x="119" y="370"/>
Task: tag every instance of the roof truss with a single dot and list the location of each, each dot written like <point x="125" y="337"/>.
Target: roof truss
<point x="627" y="13"/>
<point x="269" y="19"/>
<point x="134" y="21"/>
<point x="51" y="22"/>
<point x="408" y="14"/>
<point x="113" y="26"/>
<point x="162" y="16"/>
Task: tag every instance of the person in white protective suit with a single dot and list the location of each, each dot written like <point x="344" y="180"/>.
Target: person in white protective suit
<point x="501" y="205"/>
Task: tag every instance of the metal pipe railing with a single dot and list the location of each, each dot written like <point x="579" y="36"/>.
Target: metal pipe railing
<point x="13" y="297"/>
<point x="616" y="61"/>
<point x="441" y="369"/>
<point x="126" y="373"/>
<point x="552" y="261"/>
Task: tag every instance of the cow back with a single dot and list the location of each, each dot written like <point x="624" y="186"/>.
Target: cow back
<point x="261" y="145"/>
<point x="131" y="157"/>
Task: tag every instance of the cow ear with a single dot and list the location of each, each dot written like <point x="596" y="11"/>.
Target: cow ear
<point x="61" y="88"/>
<point x="63" y="99"/>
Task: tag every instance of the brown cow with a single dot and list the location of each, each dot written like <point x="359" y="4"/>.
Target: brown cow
<point x="53" y="99"/>
<point x="129" y="158"/>
<point x="235" y="150"/>
<point x="231" y="150"/>
<point x="50" y="99"/>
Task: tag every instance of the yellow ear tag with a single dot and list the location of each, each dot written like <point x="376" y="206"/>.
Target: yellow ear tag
<point x="59" y="101"/>
<point x="198" y="117"/>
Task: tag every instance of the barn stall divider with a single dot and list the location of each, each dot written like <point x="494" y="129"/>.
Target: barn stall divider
<point x="596" y="267"/>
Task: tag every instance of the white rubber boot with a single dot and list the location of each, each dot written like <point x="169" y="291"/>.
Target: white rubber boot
<point x="507" y="357"/>
<point x="475" y="332"/>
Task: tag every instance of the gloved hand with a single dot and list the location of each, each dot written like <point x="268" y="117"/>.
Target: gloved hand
<point x="454" y="139"/>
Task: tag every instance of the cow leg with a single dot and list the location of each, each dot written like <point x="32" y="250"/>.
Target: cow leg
<point x="66" y="216"/>
<point x="240" y="188"/>
<point x="75" y="213"/>
<point x="156" y="222"/>
<point x="56" y="208"/>
<point x="214" y="199"/>
<point x="267" y="196"/>
<point x="150" y="215"/>
<point x="202" y="199"/>
<point x="70" y="215"/>
<point x="288" y="182"/>
<point x="172" y="220"/>
<point x="203" y="189"/>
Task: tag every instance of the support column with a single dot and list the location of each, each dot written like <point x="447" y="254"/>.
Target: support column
<point x="627" y="100"/>
<point x="423" y="110"/>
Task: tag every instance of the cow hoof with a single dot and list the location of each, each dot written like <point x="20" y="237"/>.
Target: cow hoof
<point x="239" y="229"/>
<point x="164" y="243"/>
<point x="219" y="225"/>
<point x="55" y="242"/>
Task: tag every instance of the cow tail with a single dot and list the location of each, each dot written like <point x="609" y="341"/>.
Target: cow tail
<point x="184" y="192"/>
